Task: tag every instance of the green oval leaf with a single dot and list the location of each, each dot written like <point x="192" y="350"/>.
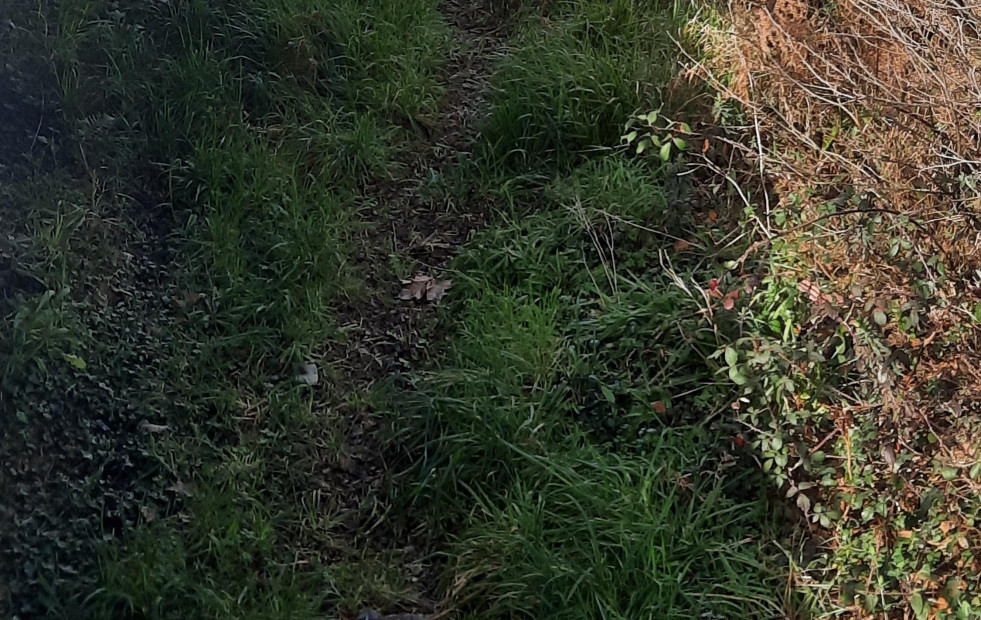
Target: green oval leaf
<point x="76" y="362"/>
<point x="732" y="356"/>
<point x="804" y="503"/>
<point x="737" y="377"/>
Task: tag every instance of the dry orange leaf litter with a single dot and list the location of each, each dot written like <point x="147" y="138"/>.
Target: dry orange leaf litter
<point x="425" y="288"/>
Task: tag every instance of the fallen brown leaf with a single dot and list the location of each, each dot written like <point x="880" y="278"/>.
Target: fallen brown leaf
<point x="424" y="287"/>
<point x="416" y="287"/>
<point x="438" y="290"/>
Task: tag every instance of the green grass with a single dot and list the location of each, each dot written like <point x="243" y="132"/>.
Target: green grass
<point x="560" y="442"/>
<point x="249" y="128"/>
<point x="273" y="114"/>
<point x="536" y="441"/>
<point x="570" y="83"/>
<point x="600" y="536"/>
<point x="562" y="447"/>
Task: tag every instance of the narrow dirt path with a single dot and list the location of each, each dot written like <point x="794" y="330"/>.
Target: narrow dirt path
<point x="381" y="332"/>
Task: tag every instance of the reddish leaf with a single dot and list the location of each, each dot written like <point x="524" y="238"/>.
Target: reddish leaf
<point x="813" y="291"/>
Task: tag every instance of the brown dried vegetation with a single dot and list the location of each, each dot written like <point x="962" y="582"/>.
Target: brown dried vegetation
<point x="866" y="117"/>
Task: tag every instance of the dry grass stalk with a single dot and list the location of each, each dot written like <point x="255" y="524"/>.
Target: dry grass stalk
<point x="879" y="96"/>
<point x="874" y="106"/>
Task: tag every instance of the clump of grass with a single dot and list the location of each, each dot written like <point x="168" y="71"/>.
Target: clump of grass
<point x="571" y="82"/>
<point x="591" y="535"/>
<point x="557" y="439"/>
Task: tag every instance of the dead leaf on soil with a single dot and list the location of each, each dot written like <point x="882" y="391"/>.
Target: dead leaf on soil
<point x="438" y="290"/>
<point x="424" y="287"/>
<point x="415" y="288"/>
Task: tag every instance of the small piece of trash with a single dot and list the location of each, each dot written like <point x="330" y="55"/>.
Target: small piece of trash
<point x="149" y="513"/>
<point x="147" y="427"/>
<point x="308" y="374"/>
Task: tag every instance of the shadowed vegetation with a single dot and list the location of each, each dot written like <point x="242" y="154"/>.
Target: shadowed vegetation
<point x="555" y="440"/>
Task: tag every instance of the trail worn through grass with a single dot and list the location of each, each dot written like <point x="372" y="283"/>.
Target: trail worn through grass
<point x="418" y="232"/>
<point x="421" y="233"/>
